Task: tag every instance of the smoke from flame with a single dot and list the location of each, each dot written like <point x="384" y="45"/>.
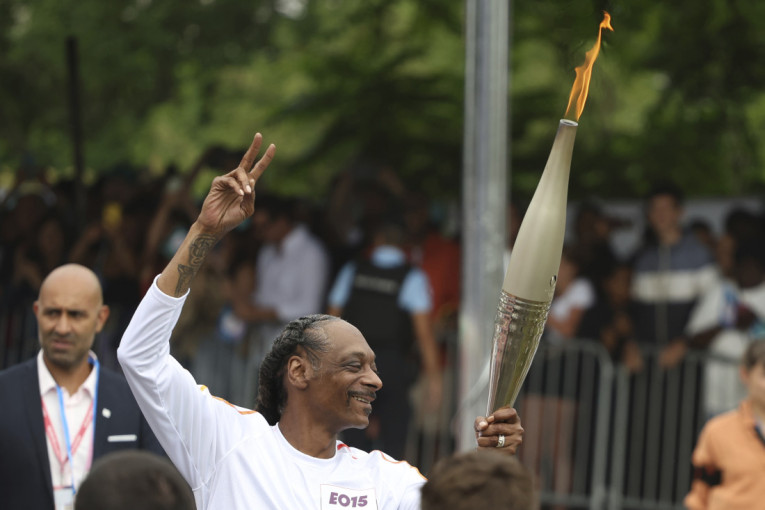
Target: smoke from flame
<point x="584" y="72"/>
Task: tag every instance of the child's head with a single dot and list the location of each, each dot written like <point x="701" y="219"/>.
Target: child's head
<point x="616" y="284"/>
<point x="753" y="372"/>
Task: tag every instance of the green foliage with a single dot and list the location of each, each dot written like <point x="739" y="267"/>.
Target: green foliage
<point x="134" y="56"/>
<point x="348" y="86"/>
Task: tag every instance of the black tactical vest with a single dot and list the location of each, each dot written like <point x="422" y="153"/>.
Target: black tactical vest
<point x="373" y="308"/>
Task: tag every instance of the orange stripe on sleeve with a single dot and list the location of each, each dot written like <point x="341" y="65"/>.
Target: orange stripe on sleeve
<point x="202" y="387"/>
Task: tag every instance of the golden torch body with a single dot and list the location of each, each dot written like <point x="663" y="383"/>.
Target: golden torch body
<point x="531" y="275"/>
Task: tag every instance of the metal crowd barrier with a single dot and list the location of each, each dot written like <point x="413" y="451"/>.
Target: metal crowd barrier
<point x="660" y="413"/>
<point x="565" y="406"/>
<point x="597" y="437"/>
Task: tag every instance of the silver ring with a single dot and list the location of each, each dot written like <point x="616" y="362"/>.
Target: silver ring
<point x="501" y="441"/>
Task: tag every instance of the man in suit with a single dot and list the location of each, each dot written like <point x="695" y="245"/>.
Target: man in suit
<point x="60" y="410"/>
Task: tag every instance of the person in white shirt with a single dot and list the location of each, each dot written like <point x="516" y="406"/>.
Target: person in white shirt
<point x="319" y="379"/>
<point x="725" y="321"/>
<point x="290" y="280"/>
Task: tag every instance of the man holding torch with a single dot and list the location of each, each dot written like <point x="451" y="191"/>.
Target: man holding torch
<point x="319" y="379"/>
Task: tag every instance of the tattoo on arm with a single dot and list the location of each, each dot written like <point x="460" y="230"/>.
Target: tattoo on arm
<point x="198" y="250"/>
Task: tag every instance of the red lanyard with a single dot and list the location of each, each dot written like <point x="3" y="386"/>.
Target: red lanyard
<point x="51" y="433"/>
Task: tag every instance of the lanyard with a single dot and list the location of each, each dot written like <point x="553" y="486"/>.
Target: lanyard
<point x="90" y="417"/>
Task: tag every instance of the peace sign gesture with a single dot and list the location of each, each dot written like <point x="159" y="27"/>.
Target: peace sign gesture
<point x="230" y="201"/>
<point x="232" y="196"/>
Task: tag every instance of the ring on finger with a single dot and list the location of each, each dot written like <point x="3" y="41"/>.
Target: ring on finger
<point x="501" y="441"/>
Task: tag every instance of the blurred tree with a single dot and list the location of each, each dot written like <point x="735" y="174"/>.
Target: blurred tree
<point x="131" y="55"/>
<point x="340" y="85"/>
<point x="387" y="78"/>
<point x="699" y="125"/>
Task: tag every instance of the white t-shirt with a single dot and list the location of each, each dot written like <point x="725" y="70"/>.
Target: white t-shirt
<point x="723" y="389"/>
<point x="579" y="295"/>
<point x="230" y="456"/>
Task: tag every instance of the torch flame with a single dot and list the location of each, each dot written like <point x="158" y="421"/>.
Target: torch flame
<point x="584" y="72"/>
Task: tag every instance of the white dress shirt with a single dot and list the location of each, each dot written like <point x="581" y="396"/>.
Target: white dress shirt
<point x="76" y="408"/>
<point x="292" y="277"/>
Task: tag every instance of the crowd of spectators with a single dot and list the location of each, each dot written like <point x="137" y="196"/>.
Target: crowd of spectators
<point x="676" y="315"/>
<point x="127" y="231"/>
<point x="683" y="289"/>
<point x="278" y="266"/>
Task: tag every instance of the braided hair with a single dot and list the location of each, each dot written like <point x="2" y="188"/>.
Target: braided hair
<point x="305" y="333"/>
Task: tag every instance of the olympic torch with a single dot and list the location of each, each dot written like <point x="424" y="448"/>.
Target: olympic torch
<point x="531" y="276"/>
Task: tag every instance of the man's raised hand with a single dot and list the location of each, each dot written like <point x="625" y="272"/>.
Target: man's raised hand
<point x="230" y="201"/>
<point x="232" y="196"/>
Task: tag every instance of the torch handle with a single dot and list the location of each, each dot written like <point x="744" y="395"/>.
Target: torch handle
<point x="518" y="327"/>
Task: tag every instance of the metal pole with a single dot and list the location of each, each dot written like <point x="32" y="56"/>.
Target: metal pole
<point x="73" y="68"/>
<point x="484" y="200"/>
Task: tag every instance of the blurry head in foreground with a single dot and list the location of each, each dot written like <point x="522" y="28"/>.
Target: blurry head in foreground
<point x="479" y="479"/>
<point x="132" y="479"/>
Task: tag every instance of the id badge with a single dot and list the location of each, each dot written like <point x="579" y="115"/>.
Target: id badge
<point x="63" y="498"/>
<point x="334" y="497"/>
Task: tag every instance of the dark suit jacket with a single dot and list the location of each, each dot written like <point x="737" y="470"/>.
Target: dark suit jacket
<point x="25" y="480"/>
